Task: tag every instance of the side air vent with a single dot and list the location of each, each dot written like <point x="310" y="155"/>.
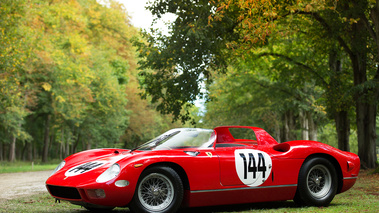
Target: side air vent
<point x="282" y="147"/>
<point x="64" y="192"/>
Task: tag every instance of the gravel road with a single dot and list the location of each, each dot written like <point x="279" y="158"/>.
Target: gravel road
<point x="13" y="185"/>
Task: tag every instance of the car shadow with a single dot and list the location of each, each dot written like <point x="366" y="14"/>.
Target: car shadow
<point x="276" y="205"/>
<point x="242" y="207"/>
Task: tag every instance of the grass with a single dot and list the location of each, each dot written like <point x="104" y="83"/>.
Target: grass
<point x="363" y="197"/>
<point x="21" y="166"/>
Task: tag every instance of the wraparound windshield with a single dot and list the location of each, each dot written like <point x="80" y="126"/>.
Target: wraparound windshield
<point x="181" y="138"/>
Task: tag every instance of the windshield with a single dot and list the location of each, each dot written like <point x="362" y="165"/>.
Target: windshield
<point x="181" y="138"/>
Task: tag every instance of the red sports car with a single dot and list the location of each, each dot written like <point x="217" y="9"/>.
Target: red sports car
<point x="191" y="167"/>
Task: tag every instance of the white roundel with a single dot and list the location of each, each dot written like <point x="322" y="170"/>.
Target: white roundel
<point x="253" y="166"/>
<point x="82" y="168"/>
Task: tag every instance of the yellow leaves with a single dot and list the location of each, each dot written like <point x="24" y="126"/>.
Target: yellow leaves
<point x="308" y="8"/>
<point x="351" y="20"/>
<point x="60" y="99"/>
<point x="78" y="43"/>
<point x="46" y="86"/>
<point x="70" y="81"/>
<point x="270" y="14"/>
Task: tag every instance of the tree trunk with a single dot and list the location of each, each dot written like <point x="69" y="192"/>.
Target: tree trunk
<point x="46" y="138"/>
<point x="366" y="98"/>
<point x="76" y="143"/>
<point x="23" y="153"/>
<point x="343" y="130"/>
<point x="288" y="127"/>
<point x="278" y="132"/>
<point x="30" y="151"/>
<point x="366" y="126"/>
<point x="67" y="152"/>
<point x="304" y="125"/>
<point x="88" y="145"/>
<point x="1" y="151"/>
<point x="12" y="149"/>
<point x="62" y="145"/>
<point x="312" y="128"/>
<point x="341" y="107"/>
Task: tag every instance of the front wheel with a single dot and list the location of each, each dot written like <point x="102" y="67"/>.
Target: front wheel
<point x="317" y="183"/>
<point x="159" y="190"/>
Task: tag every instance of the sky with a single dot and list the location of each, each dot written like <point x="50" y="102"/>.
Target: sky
<point x="140" y="17"/>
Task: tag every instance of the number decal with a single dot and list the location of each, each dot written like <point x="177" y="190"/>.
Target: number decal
<point x="253" y="167"/>
<point x="262" y="167"/>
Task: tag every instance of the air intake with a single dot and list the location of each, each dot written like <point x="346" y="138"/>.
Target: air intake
<point x="64" y="192"/>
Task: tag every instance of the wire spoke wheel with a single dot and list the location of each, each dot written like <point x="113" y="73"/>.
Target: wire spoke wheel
<point x="319" y="181"/>
<point x="156" y="192"/>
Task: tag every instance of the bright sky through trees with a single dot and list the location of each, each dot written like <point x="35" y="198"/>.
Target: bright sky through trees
<point x="141" y="17"/>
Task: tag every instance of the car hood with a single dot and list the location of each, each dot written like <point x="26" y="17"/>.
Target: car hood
<point x="86" y="166"/>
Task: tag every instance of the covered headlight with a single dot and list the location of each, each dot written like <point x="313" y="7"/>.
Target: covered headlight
<point x="109" y="174"/>
<point x="60" y="166"/>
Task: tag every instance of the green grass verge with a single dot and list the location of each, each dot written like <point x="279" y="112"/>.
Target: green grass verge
<point x="21" y="166"/>
<point x="363" y="197"/>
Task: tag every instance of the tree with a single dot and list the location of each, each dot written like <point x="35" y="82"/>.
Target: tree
<point x="354" y="25"/>
<point x="13" y="91"/>
<point x="265" y="90"/>
<point x="238" y="27"/>
<point x="73" y="80"/>
<point x="67" y="72"/>
<point x="175" y="65"/>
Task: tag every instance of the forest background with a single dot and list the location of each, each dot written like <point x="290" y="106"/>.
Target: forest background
<point x="75" y="74"/>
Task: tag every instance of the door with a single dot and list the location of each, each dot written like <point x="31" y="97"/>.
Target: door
<point x="244" y="165"/>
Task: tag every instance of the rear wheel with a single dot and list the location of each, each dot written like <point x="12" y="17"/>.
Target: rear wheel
<point x="317" y="183"/>
<point x="159" y="190"/>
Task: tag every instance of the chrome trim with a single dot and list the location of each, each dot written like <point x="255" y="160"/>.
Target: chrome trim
<point x="243" y="188"/>
<point x="349" y="178"/>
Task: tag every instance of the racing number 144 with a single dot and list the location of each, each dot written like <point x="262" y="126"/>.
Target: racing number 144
<point x="251" y="166"/>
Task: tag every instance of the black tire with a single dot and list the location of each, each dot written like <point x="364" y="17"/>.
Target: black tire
<point x="159" y="190"/>
<point x="317" y="183"/>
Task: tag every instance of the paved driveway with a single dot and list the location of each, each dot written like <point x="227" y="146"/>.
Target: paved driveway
<point x="14" y="185"/>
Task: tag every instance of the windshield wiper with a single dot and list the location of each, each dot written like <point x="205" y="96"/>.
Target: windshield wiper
<point x="156" y="141"/>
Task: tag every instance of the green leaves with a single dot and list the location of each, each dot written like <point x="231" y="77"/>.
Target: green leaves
<point x="173" y="66"/>
<point x="68" y="61"/>
<point x="13" y="89"/>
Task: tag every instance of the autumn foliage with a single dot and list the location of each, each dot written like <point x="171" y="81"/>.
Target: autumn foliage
<point x="68" y="79"/>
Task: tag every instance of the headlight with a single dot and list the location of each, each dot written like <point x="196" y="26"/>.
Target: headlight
<point x="109" y="174"/>
<point x="60" y="166"/>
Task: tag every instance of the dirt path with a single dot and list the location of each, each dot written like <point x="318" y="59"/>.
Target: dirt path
<point x="13" y="185"/>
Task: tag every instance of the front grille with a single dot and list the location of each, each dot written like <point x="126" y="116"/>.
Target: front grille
<point x="64" y="192"/>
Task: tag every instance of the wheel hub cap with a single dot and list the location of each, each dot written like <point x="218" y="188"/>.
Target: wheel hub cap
<point x="157" y="192"/>
<point x="319" y="181"/>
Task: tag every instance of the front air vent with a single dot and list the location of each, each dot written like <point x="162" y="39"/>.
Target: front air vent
<point x="64" y="192"/>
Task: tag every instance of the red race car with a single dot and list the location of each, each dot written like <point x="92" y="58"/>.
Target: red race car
<point x="191" y="167"/>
